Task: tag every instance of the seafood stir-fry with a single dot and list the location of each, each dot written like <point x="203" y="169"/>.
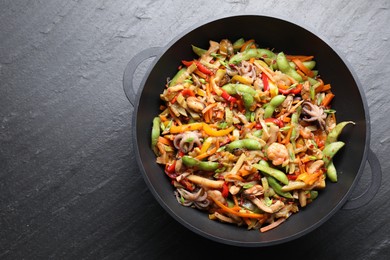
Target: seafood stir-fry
<point x="247" y="134"/>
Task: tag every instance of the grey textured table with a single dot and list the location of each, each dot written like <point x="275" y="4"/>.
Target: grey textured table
<point x="69" y="184"/>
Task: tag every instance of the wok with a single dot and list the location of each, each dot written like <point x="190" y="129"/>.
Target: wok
<point x="280" y="35"/>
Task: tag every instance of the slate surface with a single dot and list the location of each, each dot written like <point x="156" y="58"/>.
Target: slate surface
<point x="69" y="184"/>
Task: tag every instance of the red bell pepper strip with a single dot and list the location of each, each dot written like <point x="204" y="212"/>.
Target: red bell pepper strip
<point x="276" y="121"/>
<point x="202" y="68"/>
<point x="264" y="77"/>
<point x="184" y="92"/>
<point x="292" y="177"/>
<point x="228" y="97"/>
<point x="170" y="170"/>
<point x="295" y="90"/>
<point x="225" y="190"/>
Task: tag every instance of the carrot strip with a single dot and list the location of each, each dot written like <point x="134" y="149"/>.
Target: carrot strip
<point x="237" y="213"/>
<point x="244" y="46"/>
<point x="235" y="201"/>
<point x="326" y="101"/>
<point x="299" y="57"/>
<point x="286" y="139"/>
<point x="208" y="107"/>
<point x="303" y="68"/>
<point x="323" y="88"/>
<point x="164" y="140"/>
<point x="206" y="154"/>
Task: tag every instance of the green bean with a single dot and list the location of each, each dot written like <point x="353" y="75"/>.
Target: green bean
<point x="330" y="150"/>
<point x="155" y="132"/>
<point x="336" y="131"/>
<point x="277" y="174"/>
<point x="201" y="165"/>
<point x="331" y="172"/>
<point x="278" y="188"/>
<point x="273" y="104"/>
<point x="250" y="144"/>
<point x="284" y="66"/>
<point x="252" y="53"/>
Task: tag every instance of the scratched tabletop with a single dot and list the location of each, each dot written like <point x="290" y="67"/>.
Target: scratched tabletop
<point x="70" y="187"/>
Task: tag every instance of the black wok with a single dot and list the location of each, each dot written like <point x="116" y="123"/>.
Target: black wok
<point x="281" y="35"/>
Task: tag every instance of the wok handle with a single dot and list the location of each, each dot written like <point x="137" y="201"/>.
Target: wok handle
<point x="376" y="179"/>
<point x="133" y="64"/>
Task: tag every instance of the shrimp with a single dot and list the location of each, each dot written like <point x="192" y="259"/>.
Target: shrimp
<point x="277" y="153"/>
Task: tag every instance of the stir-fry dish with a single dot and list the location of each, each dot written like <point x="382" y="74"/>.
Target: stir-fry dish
<point x="247" y="134"/>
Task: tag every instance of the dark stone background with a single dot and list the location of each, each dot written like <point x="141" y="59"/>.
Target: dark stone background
<point x="69" y="184"/>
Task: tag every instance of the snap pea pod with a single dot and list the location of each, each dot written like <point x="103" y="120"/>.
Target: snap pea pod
<point x="252" y="53"/>
<point x="284" y="66"/>
<point x="336" y="131"/>
<point x="330" y="150"/>
<point x="233" y="89"/>
<point x="250" y="144"/>
<point x="269" y="171"/>
<point x="201" y="165"/>
<point x="155" y="132"/>
<point x="245" y="91"/>
<point x="331" y="172"/>
<point x="278" y="188"/>
<point x="272" y="105"/>
<point x="308" y="64"/>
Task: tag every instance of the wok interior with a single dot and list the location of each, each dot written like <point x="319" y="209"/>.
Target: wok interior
<point x="279" y="35"/>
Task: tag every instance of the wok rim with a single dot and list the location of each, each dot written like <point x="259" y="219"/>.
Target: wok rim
<point x="240" y="243"/>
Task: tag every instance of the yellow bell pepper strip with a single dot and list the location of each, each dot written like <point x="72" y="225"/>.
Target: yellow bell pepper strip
<point x="214" y="132"/>
<point x="187" y="127"/>
<point x="241" y="79"/>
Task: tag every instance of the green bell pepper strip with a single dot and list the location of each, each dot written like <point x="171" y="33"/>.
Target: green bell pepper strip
<point x="278" y="188"/>
<point x="198" y="51"/>
<point x="201" y="165"/>
<point x="330" y="150"/>
<point x="336" y="131"/>
<point x="253" y="53"/>
<point x="272" y="105"/>
<point x="155" y="133"/>
<point x="250" y="144"/>
<point x="269" y="171"/>
<point x="182" y="75"/>
<point x="238" y="44"/>
<point x="284" y="66"/>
